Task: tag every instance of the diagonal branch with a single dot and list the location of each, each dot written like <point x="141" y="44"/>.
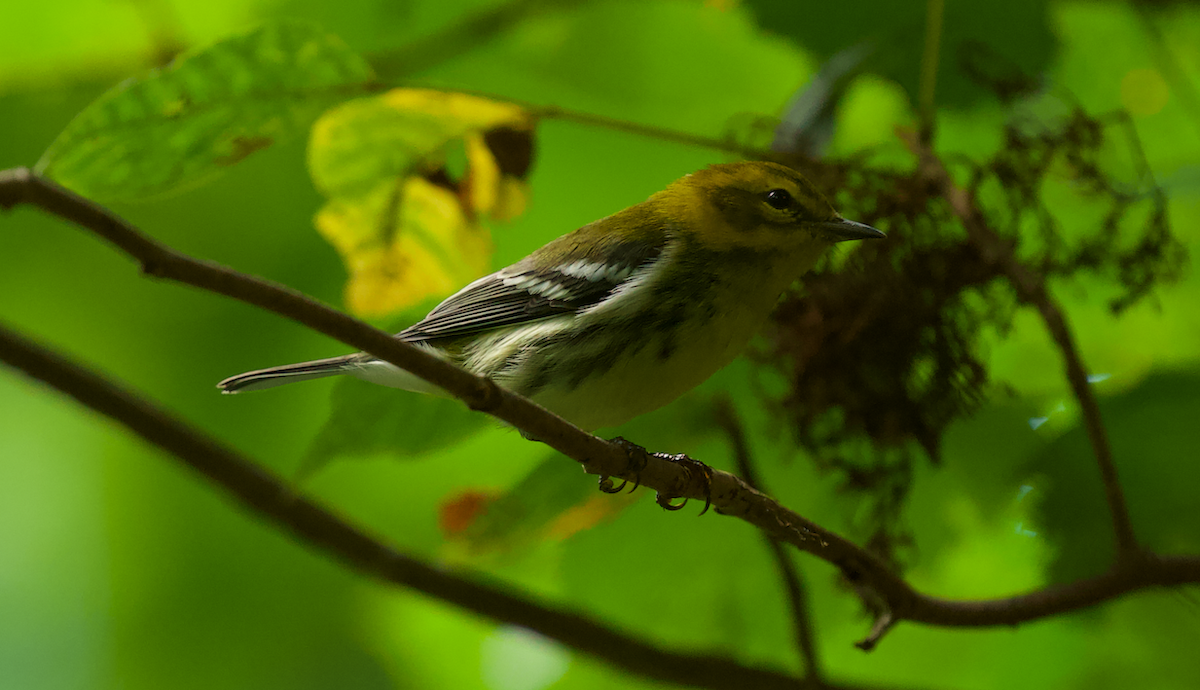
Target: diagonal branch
<point x="1031" y="289"/>
<point x="729" y="494"/>
<point x="597" y="456"/>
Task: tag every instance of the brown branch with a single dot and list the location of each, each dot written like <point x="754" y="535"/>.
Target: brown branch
<point x="272" y="498"/>
<point x="804" y="631"/>
<point x="1141" y="571"/>
<point x="729" y="494"/>
<point x="1031" y="289"/>
<point x="604" y="458"/>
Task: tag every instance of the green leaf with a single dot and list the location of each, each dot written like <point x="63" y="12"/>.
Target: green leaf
<point x="208" y="110"/>
<point x="370" y="420"/>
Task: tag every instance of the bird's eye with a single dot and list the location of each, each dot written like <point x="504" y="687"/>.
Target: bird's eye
<point x="779" y="198"/>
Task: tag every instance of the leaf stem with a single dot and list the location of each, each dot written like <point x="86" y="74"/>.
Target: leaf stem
<point x="554" y="112"/>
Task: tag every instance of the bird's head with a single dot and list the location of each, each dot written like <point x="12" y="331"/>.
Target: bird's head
<point x="759" y="206"/>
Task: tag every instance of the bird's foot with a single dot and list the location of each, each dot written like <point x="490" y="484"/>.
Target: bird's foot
<point x="639" y="457"/>
<point x="691" y="468"/>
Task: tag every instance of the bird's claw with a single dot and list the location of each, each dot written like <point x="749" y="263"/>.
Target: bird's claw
<point x="665" y="503"/>
<point x="638" y="457"/>
<point x="606" y="485"/>
<point x="689" y="466"/>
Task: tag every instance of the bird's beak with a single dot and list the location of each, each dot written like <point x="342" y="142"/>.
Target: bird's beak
<point x="841" y="230"/>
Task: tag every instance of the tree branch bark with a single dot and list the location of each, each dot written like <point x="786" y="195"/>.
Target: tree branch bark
<point x="729" y="494"/>
<point x="597" y="456"/>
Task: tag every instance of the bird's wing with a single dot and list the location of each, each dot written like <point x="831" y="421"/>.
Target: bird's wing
<point x="524" y="292"/>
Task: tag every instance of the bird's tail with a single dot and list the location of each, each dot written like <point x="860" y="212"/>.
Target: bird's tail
<point x="290" y="373"/>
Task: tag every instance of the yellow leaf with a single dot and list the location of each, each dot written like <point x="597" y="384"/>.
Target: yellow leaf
<point x="457" y="110"/>
<point x="406" y="240"/>
<point x="405" y="228"/>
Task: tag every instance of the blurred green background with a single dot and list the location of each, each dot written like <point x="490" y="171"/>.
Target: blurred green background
<point x="120" y="569"/>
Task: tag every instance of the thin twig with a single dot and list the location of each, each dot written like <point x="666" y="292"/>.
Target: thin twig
<point x="1143" y="571"/>
<point x="554" y="112"/>
<point x="659" y="133"/>
<point x="803" y="629"/>
<point x="1031" y="289"/>
<point x="729" y="494"/>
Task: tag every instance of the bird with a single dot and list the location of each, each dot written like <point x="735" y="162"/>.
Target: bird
<point x="629" y="312"/>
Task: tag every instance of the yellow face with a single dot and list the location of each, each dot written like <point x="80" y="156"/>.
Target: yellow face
<point x="755" y="205"/>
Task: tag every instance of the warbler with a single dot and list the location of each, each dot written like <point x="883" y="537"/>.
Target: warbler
<point x="627" y="313"/>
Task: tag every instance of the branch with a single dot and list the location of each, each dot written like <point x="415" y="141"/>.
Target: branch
<point x="804" y="631"/>
<point x="1141" y="571"/>
<point x="554" y="112"/>
<point x="599" y="457"/>
<point x="272" y="498"/>
<point x="729" y="494"/>
<point x="1031" y="289"/>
